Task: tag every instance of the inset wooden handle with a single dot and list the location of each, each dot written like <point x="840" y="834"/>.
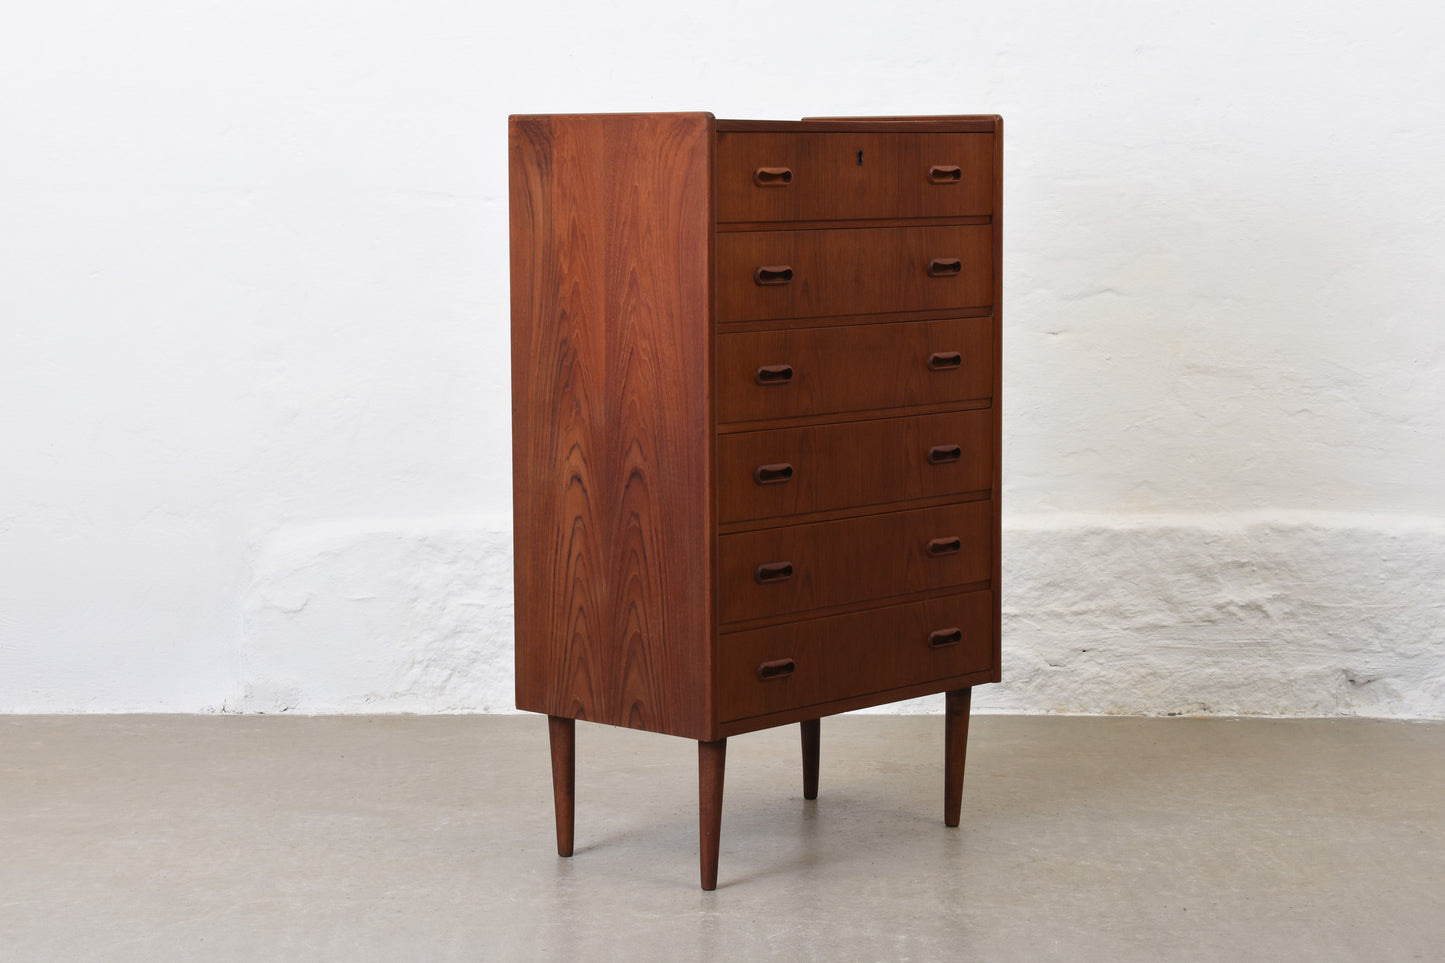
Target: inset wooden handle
<point x="942" y="360"/>
<point x="773" y="176"/>
<point x="940" y="454"/>
<point x="776" y="669"/>
<point x="774" y="274"/>
<point x="773" y="374"/>
<point x="773" y="474"/>
<point x="944" y="267"/>
<point x="941" y="638"/>
<point x="945" y="546"/>
<point x="943" y="174"/>
<point x="773" y="572"/>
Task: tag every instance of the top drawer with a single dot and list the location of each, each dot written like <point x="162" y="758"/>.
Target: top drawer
<point x="813" y="176"/>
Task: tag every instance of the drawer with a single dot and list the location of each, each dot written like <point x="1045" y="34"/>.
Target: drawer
<point x="820" y="176"/>
<point x="807" y="663"/>
<point x="816" y="371"/>
<point x="798" y="568"/>
<point x="806" y="274"/>
<point x="765" y="474"/>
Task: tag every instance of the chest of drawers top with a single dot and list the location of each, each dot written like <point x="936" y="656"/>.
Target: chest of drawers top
<point x="755" y="418"/>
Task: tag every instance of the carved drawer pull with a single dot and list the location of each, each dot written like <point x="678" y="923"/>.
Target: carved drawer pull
<point x="943" y="638"/>
<point x="773" y="176"/>
<point x="773" y="474"/>
<point x="776" y="669"/>
<point x="943" y="360"/>
<point x="773" y="374"/>
<point x="775" y="274"/>
<point x="773" y="572"/>
<point x="943" y="267"/>
<point x="945" y="546"/>
<point x="941" y="174"/>
<point x="941" y="454"/>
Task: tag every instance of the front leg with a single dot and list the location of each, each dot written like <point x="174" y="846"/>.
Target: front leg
<point x="811" y="733"/>
<point x="563" y="735"/>
<point x="711" y="757"/>
<point x="955" y="750"/>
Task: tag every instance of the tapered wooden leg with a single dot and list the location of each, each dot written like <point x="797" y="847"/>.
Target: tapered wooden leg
<point x="711" y="757"/>
<point x="955" y="749"/>
<point x="563" y="734"/>
<point x="811" y="730"/>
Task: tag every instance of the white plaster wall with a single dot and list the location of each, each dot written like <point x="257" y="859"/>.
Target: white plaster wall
<point x="253" y="336"/>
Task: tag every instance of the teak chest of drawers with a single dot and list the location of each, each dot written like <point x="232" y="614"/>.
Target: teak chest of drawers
<point x="755" y="414"/>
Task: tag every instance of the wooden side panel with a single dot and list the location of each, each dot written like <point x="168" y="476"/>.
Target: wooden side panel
<point x="612" y="359"/>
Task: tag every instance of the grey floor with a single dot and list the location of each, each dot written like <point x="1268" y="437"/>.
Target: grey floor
<point x="430" y="838"/>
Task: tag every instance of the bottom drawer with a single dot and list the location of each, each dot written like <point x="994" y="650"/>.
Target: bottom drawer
<point x="805" y="663"/>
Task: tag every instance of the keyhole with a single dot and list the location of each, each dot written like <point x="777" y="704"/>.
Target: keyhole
<point x="860" y="158"/>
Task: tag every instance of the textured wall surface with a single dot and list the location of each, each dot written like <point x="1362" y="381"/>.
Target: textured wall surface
<point x="1257" y="614"/>
<point x="1264" y="614"/>
<point x="254" y="435"/>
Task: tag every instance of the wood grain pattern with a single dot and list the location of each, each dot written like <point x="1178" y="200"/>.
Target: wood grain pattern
<point x="862" y="271"/>
<point x="871" y="651"/>
<point x="612" y="339"/>
<point x="872" y="557"/>
<point x="853" y="368"/>
<point x="826" y="180"/>
<point x="856" y="463"/>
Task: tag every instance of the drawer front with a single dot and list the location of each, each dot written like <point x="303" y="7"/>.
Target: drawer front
<point x="815" y="371"/>
<point x="763" y="275"/>
<point x="765" y="474"/>
<point x="806" y="663"/>
<point x="820" y="176"/>
<point x="798" y="568"/>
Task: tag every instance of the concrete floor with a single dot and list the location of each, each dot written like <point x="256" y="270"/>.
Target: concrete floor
<point x="430" y="838"/>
